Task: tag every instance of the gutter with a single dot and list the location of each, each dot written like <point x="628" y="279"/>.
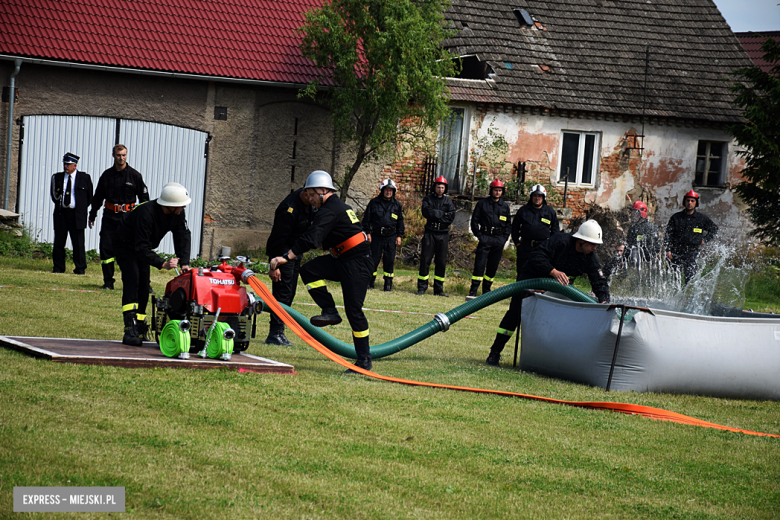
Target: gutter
<point x="10" y="142"/>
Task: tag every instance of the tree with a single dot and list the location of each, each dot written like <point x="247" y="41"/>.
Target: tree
<point x="384" y="69"/>
<point x="758" y="94"/>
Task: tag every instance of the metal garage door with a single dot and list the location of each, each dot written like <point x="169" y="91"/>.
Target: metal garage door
<point x="162" y="153"/>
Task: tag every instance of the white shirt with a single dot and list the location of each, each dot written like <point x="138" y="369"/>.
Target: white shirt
<point x="72" y="188"/>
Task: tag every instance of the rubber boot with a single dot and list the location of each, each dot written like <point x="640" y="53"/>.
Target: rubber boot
<point x="131" y="330"/>
<point x="142" y="326"/>
<point x="108" y="276"/>
<point x="473" y="290"/>
<point x="486" y="286"/>
<point x="495" y="350"/>
<point x="329" y="316"/>
<point x="372" y="282"/>
<point x="388" y="284"/>
<point x="438" y="289"/>
<point x="422" y="286"/>
<point x="276" y="337"/>
<point x="363" y="355"/>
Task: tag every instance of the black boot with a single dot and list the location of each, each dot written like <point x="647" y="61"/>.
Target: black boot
<point x="422" y="286"/>
<point x="364" y="363"/>
<point x="363" y="352"/>
<point x="372" y="282"/>
<point x="329" y="316"/>
<point x="486" y="286"/>
<point x="131" y="330"/>
<point x="473" y="290"/>
<point x="493" y="358"/>
<point x="108" y="275"/>
<point x="276" y="337"/>
<point x="142" y="326"/>
<point x="495" y="350"/>
<point x="438" y="288"/>
<point x="388" y="284"/>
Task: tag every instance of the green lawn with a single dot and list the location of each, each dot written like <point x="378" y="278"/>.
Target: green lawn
<point x="320" y="444"/>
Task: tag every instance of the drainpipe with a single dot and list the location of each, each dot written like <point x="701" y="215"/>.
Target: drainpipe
<point x="9" y="145"/>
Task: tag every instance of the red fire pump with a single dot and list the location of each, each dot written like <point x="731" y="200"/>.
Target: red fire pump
<point x="198" y="295"/>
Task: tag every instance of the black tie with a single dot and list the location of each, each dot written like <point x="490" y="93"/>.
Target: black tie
<point x="66" y="199"/>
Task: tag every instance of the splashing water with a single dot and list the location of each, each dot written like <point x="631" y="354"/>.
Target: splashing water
<point x="717" y="289"/>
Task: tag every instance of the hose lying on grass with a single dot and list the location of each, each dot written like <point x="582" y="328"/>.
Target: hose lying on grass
<point x="646" y="411"/>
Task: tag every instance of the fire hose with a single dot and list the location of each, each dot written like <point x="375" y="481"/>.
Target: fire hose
<point x="632" y="409"/>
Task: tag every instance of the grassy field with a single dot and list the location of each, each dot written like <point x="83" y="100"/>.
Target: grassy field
<point x="321" y="444"/>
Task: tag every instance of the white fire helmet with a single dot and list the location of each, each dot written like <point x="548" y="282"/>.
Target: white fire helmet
<point x="589" y="231"/>
<point x="388" y="183"/>
<point x="538" y="189"/>
<point x="319" y="179"/>
<point x="174" y="195"/>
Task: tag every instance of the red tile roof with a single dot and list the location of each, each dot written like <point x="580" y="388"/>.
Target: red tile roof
<point x="245" y="39"/>
<point x="752" y="43"/>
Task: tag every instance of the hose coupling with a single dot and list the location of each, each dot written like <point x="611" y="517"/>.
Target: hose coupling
<point x="184" y="325"/>
<point x="229" y="334"/>
<point x="184" y="355"/>
<point x="443" y="321"/>
<point x="246" y="274"/>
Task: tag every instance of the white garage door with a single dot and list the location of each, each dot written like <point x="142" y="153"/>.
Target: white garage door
<point x="162" y="153"/>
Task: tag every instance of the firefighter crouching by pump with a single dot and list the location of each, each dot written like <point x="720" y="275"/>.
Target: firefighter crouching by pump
<point x="139" y="234"/>
<point x="383" y="222"/>
<point x="338" y="230"/>
<point x="439" y="212"/>
<point x="491" y="224"/>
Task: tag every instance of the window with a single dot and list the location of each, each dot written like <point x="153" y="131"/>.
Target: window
<point x="579" y="158"/>
<point x="709" y="163"/>
<point x="451" y="133"/>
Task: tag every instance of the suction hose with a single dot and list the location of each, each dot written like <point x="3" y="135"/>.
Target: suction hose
<point x="441" y="322"/>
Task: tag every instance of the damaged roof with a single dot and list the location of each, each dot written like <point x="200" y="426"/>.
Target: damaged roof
<point x="589" y="55"/>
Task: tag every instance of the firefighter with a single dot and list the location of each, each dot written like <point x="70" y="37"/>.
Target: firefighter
<point x="491" y="224"/>
<point x="563" y="256"/>
<point x="338" y="230"/>
<point x="643" y="242"/>
<point x="291" y="220"/>
<point x="439" y="212"/>
<point x="534" y="223"/>
<point x="686" y="232"/>
<point x="117" y="190"/>
<point x="383" y="222"/>
<point x="139" y="234"/>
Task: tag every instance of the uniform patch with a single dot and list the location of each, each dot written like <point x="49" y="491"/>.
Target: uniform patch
<point x="502" y="217"/>
<point x="352" y="217"/>
<point x="290" y="210"/>
<point x="640" y="237"/>
<point x="697" y="230"/>
<point x="394" y="216"/>
<point x="545" y="221"/>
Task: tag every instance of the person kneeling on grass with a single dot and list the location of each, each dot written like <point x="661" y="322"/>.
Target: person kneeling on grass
<point x="563" y="256"/>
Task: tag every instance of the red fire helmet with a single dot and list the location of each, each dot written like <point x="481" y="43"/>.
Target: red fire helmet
<point x="641" y="207"/>
<point x="692" y="194"/>
<point x="497" y="184"/>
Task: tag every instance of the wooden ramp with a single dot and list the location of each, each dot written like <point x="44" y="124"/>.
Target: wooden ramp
<point x="114" y="353"/>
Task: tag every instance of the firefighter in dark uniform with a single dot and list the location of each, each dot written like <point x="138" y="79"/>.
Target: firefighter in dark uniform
<point x="291" y="220"/>
<point x="117" y="190"/>
<point x="491" y="224"/>
<point x="686" y="232"/>
<point x="71" y="193"/>
<point x="643" y="242"/>
<point x="134" y="242"/>
<point x="563" y="256"/>
<point x="338" y="230"/>
<point x="439" y="212"/>
<point x="534" y="223"/>
<point x="383" y="222"/>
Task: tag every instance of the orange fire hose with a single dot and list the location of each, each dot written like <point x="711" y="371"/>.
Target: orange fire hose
<point x="633" y="409"/>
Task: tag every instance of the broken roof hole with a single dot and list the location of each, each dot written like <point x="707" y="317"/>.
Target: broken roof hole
<point x="464" y="24"/>
<point x="472" y="67"/>
<point x="523" y="18"/>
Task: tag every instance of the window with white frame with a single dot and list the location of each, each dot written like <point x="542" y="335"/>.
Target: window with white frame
<point x="710" y="163"/>
<point x="452" y="133"/>
<point x="579" y="158"/>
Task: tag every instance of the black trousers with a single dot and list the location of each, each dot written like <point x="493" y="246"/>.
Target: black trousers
<point x="434" y="247"/>
<point x="108" y="227"/>
<point x="353" y="274"/>
<point x="284" y="290"/>
<point x="135" y="283"/>
<point x="383" y="248"/>
<point x="488" y="256"/>
<point x="687" y="262"/>
<point x="510" y="321"/>
<point x="64" y="225"/>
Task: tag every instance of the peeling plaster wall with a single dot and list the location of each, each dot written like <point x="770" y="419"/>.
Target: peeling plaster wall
<point x="660" y="174"/>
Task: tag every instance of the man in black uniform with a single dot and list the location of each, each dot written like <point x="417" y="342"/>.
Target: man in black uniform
<point x="383" y="222"/>
<point x="534" y="223"/>
<point x="643" y="242"/>
<point x="564" y="256"/>
<point x="71" y="192"/>
<point x="439" y="212"/>
<point x="118" y="186"/>
<point x="491" y="224"/>
<point x="138" y="235"/>
<point x="686" y="232"/>
<point x="338" y="229"/>
<point x="291" y="220"/>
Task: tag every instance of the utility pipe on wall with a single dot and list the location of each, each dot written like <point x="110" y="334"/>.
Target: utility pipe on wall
<point x="10" y="130"/>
